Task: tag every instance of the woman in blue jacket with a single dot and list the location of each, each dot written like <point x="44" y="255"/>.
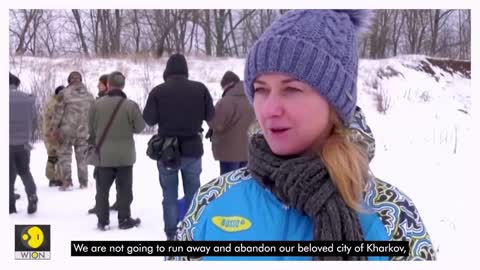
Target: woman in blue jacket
<point x="308" y="170"/>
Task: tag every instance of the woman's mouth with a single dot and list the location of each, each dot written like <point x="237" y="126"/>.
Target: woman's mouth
<point x="278" y="130"/>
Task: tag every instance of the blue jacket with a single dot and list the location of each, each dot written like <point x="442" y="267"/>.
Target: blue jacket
<point x="236" y="207"/>
<point x="389" y="215"/>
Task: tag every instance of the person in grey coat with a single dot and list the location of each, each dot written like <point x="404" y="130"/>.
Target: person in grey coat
<point x="115" y="157"/>
<point x="23" y="121"/>
<point x="233" y="117"/>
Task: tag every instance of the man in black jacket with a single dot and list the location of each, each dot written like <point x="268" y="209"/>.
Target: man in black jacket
<point x="179" y="106"/>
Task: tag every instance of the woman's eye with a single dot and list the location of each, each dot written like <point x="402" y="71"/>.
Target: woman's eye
<point x="259" y="90"/>
<point x="293" y="89"/>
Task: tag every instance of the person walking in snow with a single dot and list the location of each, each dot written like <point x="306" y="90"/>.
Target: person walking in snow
<point x="70" y="129"/>
<point x="179" y="106"/>
<point x="308" y="174"/>
<point x="102" y="91"/>
<point x="51" y="169"/>
<point x="233" y="117"/>
<point x="113" y="119"/>
<point x="23" y="121"/>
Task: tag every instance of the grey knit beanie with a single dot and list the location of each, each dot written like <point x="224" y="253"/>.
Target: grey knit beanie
<point x="317" y="47"/>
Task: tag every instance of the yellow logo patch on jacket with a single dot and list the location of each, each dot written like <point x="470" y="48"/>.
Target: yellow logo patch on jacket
<point x="231" y="223"/>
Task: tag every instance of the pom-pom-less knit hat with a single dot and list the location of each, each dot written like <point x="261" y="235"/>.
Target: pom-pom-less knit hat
<point x="317" y="47"/>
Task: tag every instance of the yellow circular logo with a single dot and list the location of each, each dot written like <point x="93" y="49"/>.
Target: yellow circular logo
<point x="33" y="237"/>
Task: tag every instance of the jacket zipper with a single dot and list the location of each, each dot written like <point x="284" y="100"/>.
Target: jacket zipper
<point x="285" y="226"/>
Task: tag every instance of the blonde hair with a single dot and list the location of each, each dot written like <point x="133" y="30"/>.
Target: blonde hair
<point x="346" y="162"/>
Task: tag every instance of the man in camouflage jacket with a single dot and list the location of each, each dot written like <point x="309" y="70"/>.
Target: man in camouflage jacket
<point x="70" y="128"/>
<point x="51" y="171"/>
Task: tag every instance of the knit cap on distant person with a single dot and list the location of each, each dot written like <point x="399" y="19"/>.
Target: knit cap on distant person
<point x="317" y="47"/>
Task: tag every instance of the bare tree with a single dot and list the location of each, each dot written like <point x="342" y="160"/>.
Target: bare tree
<point x="21" y="30"/>
<point x="33" y="37"/>
<point x="76" y="15"/>
<point x="160" y="23"/>
<point x="232" y="31"/>
<point x="195" y="21"/>
<point x="115" y="30"/>
<point x="49" y="31"/>
<point x="256" y="24"/>
<point x="378" y="34"/>
<point x="416" y="23"/>
<point x="464" y="33"/>
<point x="208" y="33"/>
<point x="220" y="18"/>
<point x="180" y="21"/>
<point x="397" y="26"/>
<point x="437" y="20"/>
<point x="106" y="30"/>
<point x="136" y="31"/>
<point x="105" y="33"/>
<point x="233" y="27"/>
<point x="102" y="17"/>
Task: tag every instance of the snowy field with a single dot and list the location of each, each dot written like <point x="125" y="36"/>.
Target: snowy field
<point x="423" y="147"/>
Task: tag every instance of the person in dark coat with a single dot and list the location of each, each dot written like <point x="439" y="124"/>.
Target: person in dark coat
<point x="233" y="117"/>
<point x="23" y="121"/>
<point x="179" y="106"/>
<point x="116" y="156"/>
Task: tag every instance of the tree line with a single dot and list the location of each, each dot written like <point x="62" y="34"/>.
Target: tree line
<point x="220" y="32"/>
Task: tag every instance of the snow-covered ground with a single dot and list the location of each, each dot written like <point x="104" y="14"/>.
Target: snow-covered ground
<point x="423" y="147"/>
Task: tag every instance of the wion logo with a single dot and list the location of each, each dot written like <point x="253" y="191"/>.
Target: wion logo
<point x="32" y="242"/>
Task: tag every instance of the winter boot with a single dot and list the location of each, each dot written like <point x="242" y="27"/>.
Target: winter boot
<point x="128" y="223"/>
<point x="55" y="183"/>
<point x="83" y="184"/>
<point x="92" y="210"/>
<point x="12" y="209"/>
<point x="66" y="186"/>
<point x="103" y="227"/>
<point x="32" y="204"/>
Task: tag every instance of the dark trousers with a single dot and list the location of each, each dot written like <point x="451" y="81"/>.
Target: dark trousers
<point x="105" y="179"/>
<point x="227" y="166"/>
<point x="20" y="165"/>
<point x="95" y="176"/>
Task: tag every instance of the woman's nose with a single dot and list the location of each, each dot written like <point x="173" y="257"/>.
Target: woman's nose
<point x="273" y="106"/>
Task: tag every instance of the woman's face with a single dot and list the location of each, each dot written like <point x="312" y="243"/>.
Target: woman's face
<point x="292" y="115"/>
